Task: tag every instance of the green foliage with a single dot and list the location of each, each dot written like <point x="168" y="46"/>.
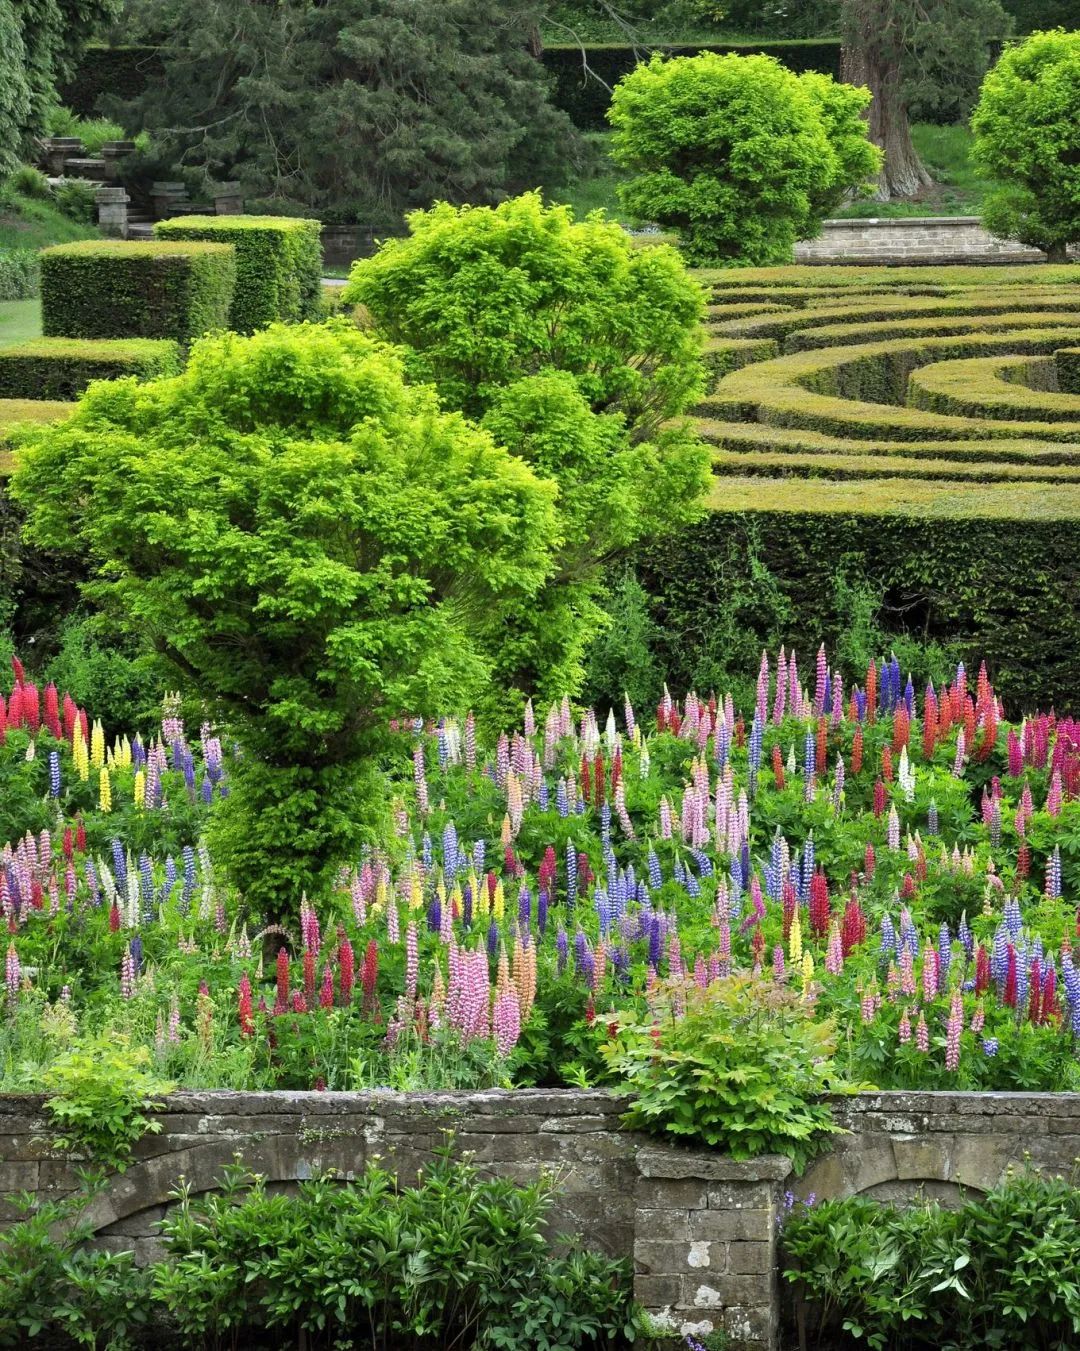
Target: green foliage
<point x="621" y="660"/>
<point x="578" y="352"/>
<point x="278" y="264"/>
<point x="454" y="1261"/>
<point x="51" y="1286"/>
<point x="584" y="91"/>
<point x="76" y="198"/>
<point x="307" y="541"/>
<point x="737" y="154"/>
<point x="114" y="288"/>
<point x="35" y="221"/>
<point x="19" y="274"/>
<point x="39" y="40"/>
<point x="741" y="1065"/>
<point x="99" y="1093"/>
<point x="1027" y="136"/>
<point x="995" y="1272"/>
<point x="105" y="669"/>
<point x="61" y="368"/>
<point x="359" y="112"/>
<point x="92" y="131"/>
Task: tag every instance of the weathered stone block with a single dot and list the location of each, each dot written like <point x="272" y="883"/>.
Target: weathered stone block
<point x="733" y="1224"/>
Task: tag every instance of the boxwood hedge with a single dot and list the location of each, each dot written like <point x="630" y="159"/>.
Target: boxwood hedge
<point x="278" y="264"/>
<point x="116" y="288"/>
<point x="61" y="368"/>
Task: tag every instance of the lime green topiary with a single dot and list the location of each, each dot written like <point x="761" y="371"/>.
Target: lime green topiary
<point x="737" y="154"/>
<point x="1027" y="136"/>
<point x="115" y="288"/>
<point x="278" y="264"/>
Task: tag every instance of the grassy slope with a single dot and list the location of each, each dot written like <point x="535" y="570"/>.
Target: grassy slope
<point x="945" y="151"/>
<point x="26" y="223"/>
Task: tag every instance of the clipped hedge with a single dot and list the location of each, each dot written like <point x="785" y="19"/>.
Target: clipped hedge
<point x="278" y="264"/>
<point x="995" y="387"/>
<point x="911" y="280"/>
<point x="120" y="72"/>
<point x="16" y="413"/>
<point x="838" y="464"/>
<point x="19" y="274"/>
<point x="1067" y="365"/>
<point x="61" y="368"/>
<point x="990" y="568"/>
<point x="859" y="390"/>
<point x="585" y="98"/>
<point x="115" y="288"/>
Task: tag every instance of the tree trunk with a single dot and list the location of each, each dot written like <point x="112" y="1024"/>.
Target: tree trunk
<point x="902" y="173"/>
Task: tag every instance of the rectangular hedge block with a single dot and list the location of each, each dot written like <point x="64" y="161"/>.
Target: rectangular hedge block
<point x="61" y="368"/>
<point x="117" y="288"/>
<point x="278" y="264"/>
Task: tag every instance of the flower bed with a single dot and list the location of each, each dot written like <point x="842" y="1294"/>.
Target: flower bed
<point x="903" y="868"/>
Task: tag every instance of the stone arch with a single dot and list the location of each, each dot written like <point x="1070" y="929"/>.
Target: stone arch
<point x="896" y="1167"/>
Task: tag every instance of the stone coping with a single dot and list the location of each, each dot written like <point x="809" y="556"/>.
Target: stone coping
<point x="897" y="222"/>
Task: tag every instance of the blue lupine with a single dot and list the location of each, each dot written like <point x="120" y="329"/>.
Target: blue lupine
<point x="653" y="864"/>
<point x="135" y="947"/>
<point x="524" y="906"/>
<point x="492" y="939"/>
<point x="542" y="911"/>
<point x="54" y="774"/>
<point x="562" y="805"/>
<point x="434" y="915"/>
<point x="542" y="796"/>
<point x="944" y="954"/>
<point x="466" y="905"/>
<point x="932" y="818"/>
<point x="120" y="865"/>
<point x="571" y="872"/>
<point x="990" y="1046"/>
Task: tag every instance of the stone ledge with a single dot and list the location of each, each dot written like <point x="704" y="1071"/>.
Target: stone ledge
<point x="712" y="1167"/>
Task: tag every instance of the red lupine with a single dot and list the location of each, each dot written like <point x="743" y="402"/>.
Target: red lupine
<point x="871" y="692"/>
<point x="790" y="901"/>
<point x="247" y="1022"/>
<point x="309" y="976"/>
<point x="282" y="981"/>
<point x="778" y="768"/>
<point x="901" y="729"/>
<point x="857" y="751"/>
<point x="346" y="969"/>
<point x="853" y="929"/>
<point x="369" y="974"/>
<point x="114" y="917"/>
<point x="326" y="994"/>
<point x="886" y="764"/>
<point x="80" y="834"/>
<point x="820" y="913"/>
<point x="869" y="861"/>
<point x="879" y="797"/>
<point x="982" y="970"/>
<point x="1009" y="996"/>
<point x="52" y="710"/>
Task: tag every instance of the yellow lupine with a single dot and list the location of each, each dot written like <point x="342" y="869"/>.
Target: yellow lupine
<point x="416" y="892"/>
<point x="97" y="744"/>
<point x="807" y="972"/>
<point x="139" y="792"/>
<point x="498" y="902"/>
<point x="104" y="790"/>
<point x="795" y="939"/>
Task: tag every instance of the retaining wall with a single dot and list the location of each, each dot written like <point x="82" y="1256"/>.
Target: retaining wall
<point x="911" y="240"/>
<point x="702" y="1229"/>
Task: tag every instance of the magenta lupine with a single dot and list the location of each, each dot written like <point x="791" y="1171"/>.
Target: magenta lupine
<point x="978" y="1020"/>
<point x="903" y="1031"/>
<point x="930" y="974"/>
<point x="506" y="1022"/>
<point x="821" y="676"/>
<point x="762" y="701"/>
<point x="781" y="689"/>
<point x="922" y="1034"/>
<point x="953" y="1030"/>
<point x="778" y="962"/>
<point x="868" y="1005"/>
<point x="1054" y="794"/>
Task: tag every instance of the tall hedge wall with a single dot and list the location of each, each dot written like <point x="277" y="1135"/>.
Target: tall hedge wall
<point x="278" y="264"/>
<point x="121" y="71"/>
<point x="586" y="99"/>
<point x="117" y="288"/>
<point x="1007" y="591"/>
<point x="61" y="368"/>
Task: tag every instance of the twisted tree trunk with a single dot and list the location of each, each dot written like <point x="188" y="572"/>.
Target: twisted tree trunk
<point x="871" y="56"/>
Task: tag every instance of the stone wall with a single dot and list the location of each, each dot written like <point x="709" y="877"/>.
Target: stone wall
<point x="911" y="240"/>
<point x="701" y="1228"/>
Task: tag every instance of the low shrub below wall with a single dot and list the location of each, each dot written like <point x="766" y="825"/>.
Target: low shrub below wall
<point x="19" y="274"/>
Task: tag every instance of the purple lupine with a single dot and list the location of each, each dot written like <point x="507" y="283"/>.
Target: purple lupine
<point x="562" y="948"/>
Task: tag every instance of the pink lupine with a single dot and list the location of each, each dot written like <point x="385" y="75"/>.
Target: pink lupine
<point x="952" y="1035"/>
<point x="412" y="962"/>
<point x="13" y="973"/>
<point x="922" y="1034"/>
<point x="904" y="1029"/>
<point x="506" y="1022"/>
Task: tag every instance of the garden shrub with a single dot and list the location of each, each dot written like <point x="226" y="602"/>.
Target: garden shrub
<point x="114" y="288"/>
<point x="455" y="1261"/>
<point x="1027" y="136"/>
<point x="343" y="522"/>
<point x="579" y="353"/>
<point x="742" y="1066"/>
<point x="278" y="264"/>
<point x="99" y="1093"/>
<point x="19" y="274"/>
<point x="61" y="368"/>
<point x="737" y="154"/>
<point x="995" y="1272"/>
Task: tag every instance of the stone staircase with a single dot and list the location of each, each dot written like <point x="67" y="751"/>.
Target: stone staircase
<point x="118" y="215"/>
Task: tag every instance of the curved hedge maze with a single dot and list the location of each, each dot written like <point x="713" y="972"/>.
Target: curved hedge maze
<point x="945" y="392"/>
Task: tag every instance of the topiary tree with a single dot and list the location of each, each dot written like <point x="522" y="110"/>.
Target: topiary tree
<point x="307" y="542"/>
<point x="1027" y="136"/>
<point x="580" y="353"/>
<point x="735" y="153"/>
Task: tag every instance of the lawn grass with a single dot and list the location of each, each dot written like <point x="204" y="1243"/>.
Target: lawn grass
<point x="29" y="223"/>
<point x="20" y="320"/>
<point x="946" y="151"/>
